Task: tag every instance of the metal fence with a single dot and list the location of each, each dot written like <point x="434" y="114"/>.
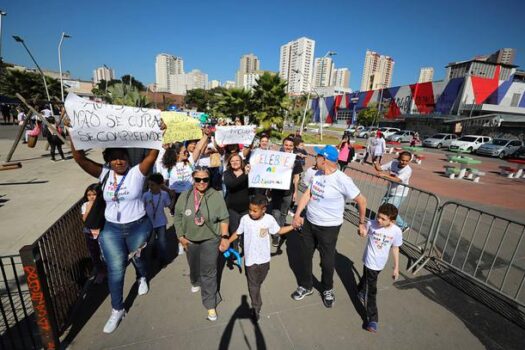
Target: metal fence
<point x="57" y="266"/>
<point x="18" y="328"/>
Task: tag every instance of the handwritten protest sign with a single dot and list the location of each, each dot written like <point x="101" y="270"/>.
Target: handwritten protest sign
<point x="271" y="169"/>
<point x="180" y="127"/>
<point x="99" y="125"/>
<point x="228" y="135"/>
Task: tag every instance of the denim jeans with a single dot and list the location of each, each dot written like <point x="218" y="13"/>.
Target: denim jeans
<point x="117" y="241"/>
<point x="396" y="201"/>
<point x="160" y="240"/>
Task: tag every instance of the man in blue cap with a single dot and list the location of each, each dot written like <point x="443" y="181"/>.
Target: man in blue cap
<point x="325" y="201"/>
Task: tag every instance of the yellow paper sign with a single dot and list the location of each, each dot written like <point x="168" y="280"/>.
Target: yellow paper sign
<point x="180" y="127"/>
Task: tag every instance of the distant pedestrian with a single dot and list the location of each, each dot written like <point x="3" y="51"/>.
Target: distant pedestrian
<point x="346" y="153"/>
<point x="379" y="147"/>
<point x="382" y="234"/>
<point x="52" y="137"/>
<point x="369" y="148"/>
<point x="6" y="113"/>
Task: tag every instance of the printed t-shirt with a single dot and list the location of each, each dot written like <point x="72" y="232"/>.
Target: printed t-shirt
<point x="129" y="206"/>
<point x="155" y="204"/>
<point x="257" y="238"/>
<point x="380" y="239"/>
<point x="328" y="196"/>
<point x="402" y="173"/>
<point x="309" y="176"/>
<point x="179" y="177"/>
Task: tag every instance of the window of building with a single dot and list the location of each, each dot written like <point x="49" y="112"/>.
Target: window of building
<point x="515" y="100"/>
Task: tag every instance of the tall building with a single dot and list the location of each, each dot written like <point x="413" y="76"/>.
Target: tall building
<point x="249" y="64"/>
<point x="502" y="56"/>
<point x="165" y="66"/>
<point x="214" y="84"/>
<point x="181" y="83"/>
<point x="228" y="84"/>
<point x="103" y="73"/>
<point x="426" y="74"/>
<point x="296" y="64"/>
<point x="341" y="78"/>
<point x="377" y="72"/>
<point x="323" y="72"/>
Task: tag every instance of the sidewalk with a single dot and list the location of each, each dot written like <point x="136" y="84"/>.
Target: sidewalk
<point x="422" y="312"/>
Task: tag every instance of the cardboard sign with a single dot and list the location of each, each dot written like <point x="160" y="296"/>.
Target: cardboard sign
<point x="271" y="169"/>
<point x="180" y="127"/>
<point x="99" y="125"/>
<point x="229" y="135"/>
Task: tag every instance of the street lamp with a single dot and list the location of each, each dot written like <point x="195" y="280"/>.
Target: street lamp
<point x="2" y="14"/>
<point x="62" y="37"/>
<point x="20" y="40"/>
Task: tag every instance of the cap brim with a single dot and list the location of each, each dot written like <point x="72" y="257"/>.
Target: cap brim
<point x="318" y="150"/>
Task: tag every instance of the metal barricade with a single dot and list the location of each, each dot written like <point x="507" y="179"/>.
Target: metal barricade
<point x="18" y="329"/>
<point x="57" y="266"/>
<point x="486" y="248"/>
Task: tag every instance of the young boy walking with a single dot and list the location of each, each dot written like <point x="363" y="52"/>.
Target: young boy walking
<point x="382" y="234"/>
<point x="257" y="226"/>
<point x="155" y="200"/>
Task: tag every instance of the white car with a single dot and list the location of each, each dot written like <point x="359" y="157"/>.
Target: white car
<point x="439" y="140"/>
<point x="355" y="129"/>
<point x="402" y="136"/>
<point x="366" y="132"/>
<point x="388" y="131"/>
<point x="468" y="143"/>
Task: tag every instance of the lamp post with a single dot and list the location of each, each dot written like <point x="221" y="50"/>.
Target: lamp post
<point x="62" y="37"/>
<point x="20" y="40"/>
<point x="2" y="14"/>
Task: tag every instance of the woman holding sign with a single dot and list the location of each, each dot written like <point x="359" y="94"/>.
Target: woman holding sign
<point x="127" y="227"/>
<point x="201" y="223"/>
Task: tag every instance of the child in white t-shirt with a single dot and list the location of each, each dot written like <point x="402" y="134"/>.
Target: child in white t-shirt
<point x="257" y="226"/>
<point x="382" y="234"/>
<point x="155" y="200"/>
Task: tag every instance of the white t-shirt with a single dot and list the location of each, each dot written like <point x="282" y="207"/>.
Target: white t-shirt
<point x="308" y="176"/>
<point x="21" y="117"/>
<point x="402" y="173"/>
<point x="155" y="204"/>
<point x="179" y="177"/>
<point x="380" y="239"/>
<point x="83" y="209"/>
<point x="46" y="112"/>
<point x="129" y="206"/>
<point x="329" y="193"/>
<point x="158" y="167"/>
<point x="257" y="238"/>
<point x="379" y="146"/>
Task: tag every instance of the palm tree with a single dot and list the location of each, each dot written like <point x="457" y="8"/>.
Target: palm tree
<point x="270" y="100"/>
<point x="122" y="94"/>
<point x="233" y="103"/>
<point x="27" y="84"/>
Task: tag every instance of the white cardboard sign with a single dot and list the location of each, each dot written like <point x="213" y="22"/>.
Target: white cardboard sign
<point x="271" y="169"/>
<point x="228" y="135"/>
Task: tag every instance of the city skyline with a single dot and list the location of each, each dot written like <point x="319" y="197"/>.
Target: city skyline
<point x="428" y="40"/>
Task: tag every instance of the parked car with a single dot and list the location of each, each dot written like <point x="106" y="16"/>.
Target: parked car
<point x="366" y="132"/>
<point x="469" y="143"/>
<point x="402" y="136"/>
<point x="500" y="147"/>
<point x="439" y="140"/>
<point x="388" y="131"/>
<point x="354" y="129"/>
<point x="517" y="154"/>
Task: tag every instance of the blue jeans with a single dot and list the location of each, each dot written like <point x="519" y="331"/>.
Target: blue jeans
<point x="396" y="201"/>
<point x="117" y="241"/>
<point x="161" y="241"/>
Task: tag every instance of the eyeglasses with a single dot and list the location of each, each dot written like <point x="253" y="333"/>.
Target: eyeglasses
<point x="201" y="179"/>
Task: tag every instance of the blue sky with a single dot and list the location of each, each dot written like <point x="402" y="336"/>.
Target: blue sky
<point x="212" y="35"/>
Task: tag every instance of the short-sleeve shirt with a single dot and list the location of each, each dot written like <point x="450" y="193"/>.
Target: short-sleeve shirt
<point x="380" y="239"/>
<point x="155" y="204"/>
<point x="308" y="176"/>
<point x="129" y="207"/>
<point x="329" y="193"/>
<point x="397" y="189"/>
<point x="179" y="177"/>
<point x="257" y="238"/>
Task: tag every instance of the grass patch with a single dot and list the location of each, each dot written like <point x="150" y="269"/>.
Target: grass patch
<point x="309" y="138"/>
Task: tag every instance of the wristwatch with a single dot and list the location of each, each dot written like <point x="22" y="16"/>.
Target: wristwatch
<point x="225" y="237"/>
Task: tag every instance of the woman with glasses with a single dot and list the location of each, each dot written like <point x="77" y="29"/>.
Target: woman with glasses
<point x="201" y="223"/>
<point x="127" y="227"/>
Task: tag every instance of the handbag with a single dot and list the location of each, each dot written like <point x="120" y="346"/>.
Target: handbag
<point x="31" y="141"/>
<point x="96" y="219"/>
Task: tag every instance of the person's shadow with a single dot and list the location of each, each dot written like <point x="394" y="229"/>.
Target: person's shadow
<point x="242" y="312"/>
<point x="346" y="270"/>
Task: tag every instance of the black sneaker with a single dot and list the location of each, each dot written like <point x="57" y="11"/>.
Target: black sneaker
<point x="328" y="298"/>
<point x="301" y="292"/>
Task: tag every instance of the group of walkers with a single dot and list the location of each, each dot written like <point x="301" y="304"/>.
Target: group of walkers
<point x="204" y="186"/>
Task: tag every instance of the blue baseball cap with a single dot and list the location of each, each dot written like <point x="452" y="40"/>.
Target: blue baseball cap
<point x="329" y="152"/>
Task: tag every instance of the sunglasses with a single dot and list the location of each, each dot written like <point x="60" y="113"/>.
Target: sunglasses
<point x="201" y="179"/>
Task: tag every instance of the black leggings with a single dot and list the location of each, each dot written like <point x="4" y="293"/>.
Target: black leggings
<point x="55" y="143"/>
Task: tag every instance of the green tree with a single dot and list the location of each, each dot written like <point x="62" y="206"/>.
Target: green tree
<point x="134" y="82"/>
<point x="367" y="116"/>
<point x="28" y="84"/>
<point x="270" y="101"/>
<point x="233" y="103"/>
<point x="197" y="98"/>
<point x="122" y="94"/>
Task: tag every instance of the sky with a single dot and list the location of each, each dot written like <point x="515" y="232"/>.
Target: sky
<point x="126" y="35"/>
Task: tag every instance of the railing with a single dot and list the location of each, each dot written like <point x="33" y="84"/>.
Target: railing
<point x="57" y="266"/>
<point x="18" y="328"/>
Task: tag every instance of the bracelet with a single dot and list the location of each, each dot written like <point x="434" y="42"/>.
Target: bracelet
<point x="225" y="237"/>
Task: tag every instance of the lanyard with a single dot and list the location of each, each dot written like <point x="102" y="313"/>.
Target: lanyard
<point x="115" y="195"/>
<point x="197" y="204"/>
<point x="153" y="205"/>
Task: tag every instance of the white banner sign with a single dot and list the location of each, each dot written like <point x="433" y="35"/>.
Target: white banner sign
<point x="228" y="135"/>
<point x="99" y="125"/>
<point x="271" y="169"/>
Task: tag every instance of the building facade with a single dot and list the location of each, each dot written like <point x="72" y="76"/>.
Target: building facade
<point x="324" y="72"/>
<point x="229" y="84"/>
<point x="296" y="64"/>
<point x="214" y="84"/>
<point x="103" y="73"/>
<point x="426" y="74"/>
<point x="377" y="71"/>
<point x="341" y="78"/>
<point x="249" y="64"/>
<point x="165" y="66"/>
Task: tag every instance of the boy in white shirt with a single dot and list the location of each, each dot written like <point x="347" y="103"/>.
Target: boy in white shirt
<point x="257" y="226"/>
<point x="155" y="200"/>
<point x="382" y="234"/>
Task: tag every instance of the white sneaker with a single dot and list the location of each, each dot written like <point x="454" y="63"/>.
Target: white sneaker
<point x="114" y="320"/>
<point x="212" y="315"/>
<point x="195" y="289"/>
<point x="143" y="286"/>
